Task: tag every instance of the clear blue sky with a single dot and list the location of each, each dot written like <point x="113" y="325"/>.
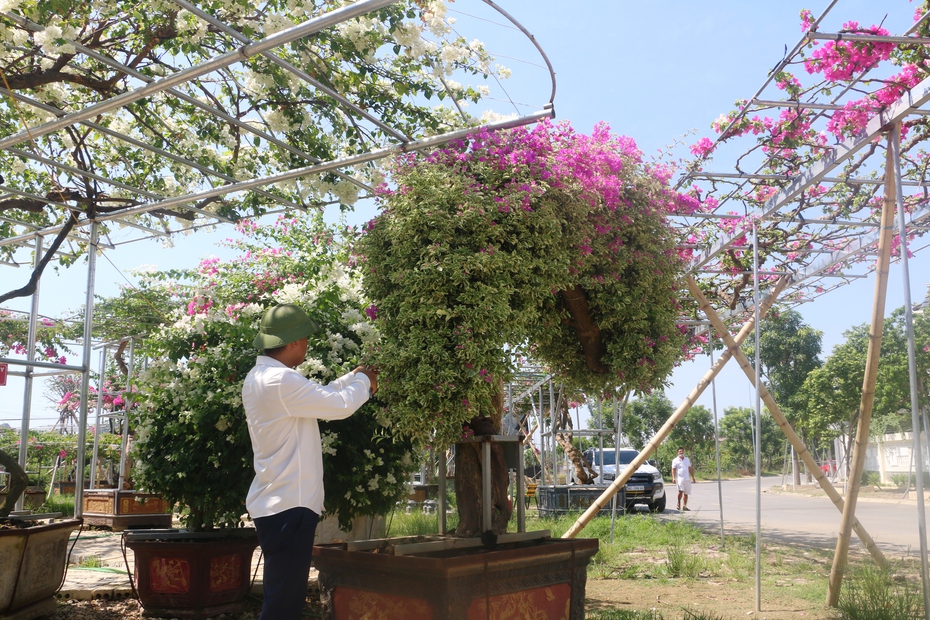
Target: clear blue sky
<point x="652" y="70"/>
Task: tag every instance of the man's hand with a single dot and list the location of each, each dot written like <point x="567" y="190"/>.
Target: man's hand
<point x="372" y="376"/>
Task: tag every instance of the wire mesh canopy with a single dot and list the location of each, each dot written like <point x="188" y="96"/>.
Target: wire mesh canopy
<point x="160" y="119"/>
<point x="172" y="117"/>
<point x="808" y="153"/>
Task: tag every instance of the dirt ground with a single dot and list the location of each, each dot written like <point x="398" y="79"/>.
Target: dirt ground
<point x="730" y="600"/>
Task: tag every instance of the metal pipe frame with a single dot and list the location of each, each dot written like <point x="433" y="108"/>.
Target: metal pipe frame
<point x="141" y="145"/>
<point x="28" y="383"/>
<point x="351" y="160"/>
<point x="917" y="451"/>
<point x="85" y="376"/>
<point x="303" y="75"/>
<point x="245" y="52"/>
<point x="913" y="98"/>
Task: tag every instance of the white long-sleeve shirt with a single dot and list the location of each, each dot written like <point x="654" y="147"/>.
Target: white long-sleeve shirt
<point x="282" y="408"/>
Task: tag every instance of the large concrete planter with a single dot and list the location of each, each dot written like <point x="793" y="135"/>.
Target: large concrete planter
<point x="363" y="528"/>
<point x="119" y="510"/>
<point x="542" y="579"/>
<point x="32" y="563"/>
<point x="33" y="498"/>
<point x="181" y="574"/>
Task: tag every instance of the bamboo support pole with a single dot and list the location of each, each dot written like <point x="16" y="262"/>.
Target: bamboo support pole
<point x="868" y="382"/>
<point x="795" y="440"/>
<point x="675" y="418"/>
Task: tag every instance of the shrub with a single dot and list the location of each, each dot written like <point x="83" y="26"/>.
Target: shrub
<point x="192" y="443"/>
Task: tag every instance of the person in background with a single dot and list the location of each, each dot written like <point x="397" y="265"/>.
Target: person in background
<point x="683" y="476"/>
<point x="282" y="408"/>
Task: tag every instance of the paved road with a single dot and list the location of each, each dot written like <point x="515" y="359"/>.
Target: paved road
<point x="799" y="518"/>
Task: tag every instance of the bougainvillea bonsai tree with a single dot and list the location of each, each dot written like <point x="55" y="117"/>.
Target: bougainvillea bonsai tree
<point x="192" y="443"/>
<point x="543" y="238"/>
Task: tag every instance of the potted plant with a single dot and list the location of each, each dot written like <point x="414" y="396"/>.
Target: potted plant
<point x="537" y="239"/>
<point x="192" y="445"/>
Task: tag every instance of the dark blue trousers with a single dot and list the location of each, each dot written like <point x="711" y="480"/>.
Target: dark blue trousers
<point x="286" y="540"/>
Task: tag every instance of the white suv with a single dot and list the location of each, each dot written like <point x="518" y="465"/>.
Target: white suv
<point x="645" y="486"/>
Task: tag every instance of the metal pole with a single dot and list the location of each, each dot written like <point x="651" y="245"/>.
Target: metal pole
<point x="618" y="420"/>
<point x="713" y="396"/>
<point x="30" y="356"/>
<point x="552" y="440"/>
<point x="755" y="295"/>
<point x="486" y="484"/>
<point x="911" y="365"/>
<point x="85" y="373"/>
<point x="127" y="405"/>
<point x="442" y="494"/>
<point x="99" y="408"/>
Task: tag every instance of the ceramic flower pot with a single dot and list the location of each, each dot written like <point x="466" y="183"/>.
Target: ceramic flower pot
<point x="181" y="574"/>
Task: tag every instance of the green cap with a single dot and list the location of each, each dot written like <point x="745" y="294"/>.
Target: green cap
<point x="283" y="325"/>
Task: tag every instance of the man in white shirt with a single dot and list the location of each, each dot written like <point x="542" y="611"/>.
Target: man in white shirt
<point x="683" y="476"/>
<point x="282" y="408"/>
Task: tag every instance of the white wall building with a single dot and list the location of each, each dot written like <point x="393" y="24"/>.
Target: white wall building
<point x="892" y="454"/>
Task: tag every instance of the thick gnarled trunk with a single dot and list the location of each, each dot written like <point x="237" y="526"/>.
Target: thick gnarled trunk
<point x="18" y="483"/>
<point x="468" y="460"/>
<point x="575" y="301"/>
<point x="584" y="474"/>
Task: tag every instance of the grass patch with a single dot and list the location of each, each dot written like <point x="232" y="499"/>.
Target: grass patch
<point x="652" y="614"/>
<point x="417" y="523"/>
<point x="873" y="593"/>
<point x="58" y="503"/>
<point x="91" y="561"/>
<point x="647" y="551"/>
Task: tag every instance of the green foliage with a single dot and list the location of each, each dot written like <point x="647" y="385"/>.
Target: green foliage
<point x="737" y="443"/>
<point x="623" y="614"/>
<point x="58" y="503"/>
<point x="193" y="445"/>
<point x="417" y="523"/>
<point x="479" y="247"/>
<point x="45" y="447"/>
<point x="644" y="416"/>
<point x="789" y="351"/>
<point x="91" y="561"/>
<point x="830" y="396"/>
<point x="873" y="593"/>
<point x="871" y="478"/>
<point x="901" y="481"/>
<point x="50" y="337"/>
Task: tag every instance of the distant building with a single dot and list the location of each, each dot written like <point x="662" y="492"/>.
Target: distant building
<point x="891" y="454"/>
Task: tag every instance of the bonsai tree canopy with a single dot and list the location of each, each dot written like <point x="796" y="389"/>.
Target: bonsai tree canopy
<point x="539" y="238"/>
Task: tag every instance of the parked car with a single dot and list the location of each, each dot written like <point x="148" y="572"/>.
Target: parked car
<point x="645" y="486"/>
